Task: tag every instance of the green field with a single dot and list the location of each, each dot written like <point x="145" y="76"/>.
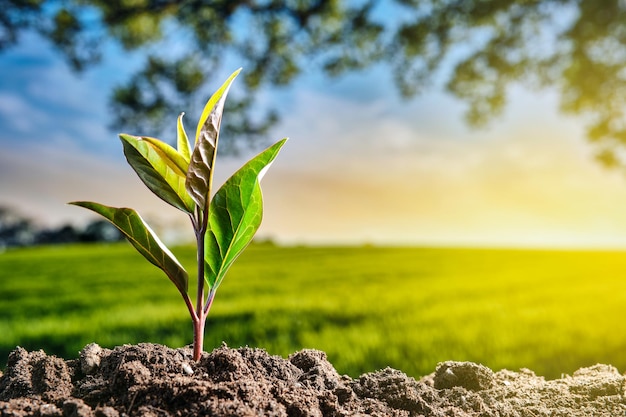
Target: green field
<point x="367" y="307"/>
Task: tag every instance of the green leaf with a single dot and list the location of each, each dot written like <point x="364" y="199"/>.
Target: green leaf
<point x="143" y="239"/>
<point x="171" y="155"/>
<point x="235" y="215"/>
<point x="161" y="168"/>
<point x="182" y="140"/>
<point x="217" y="99"/>
<point x="200" y="172"/>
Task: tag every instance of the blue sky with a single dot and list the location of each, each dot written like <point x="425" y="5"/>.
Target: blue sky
<point x="361" y="165"/>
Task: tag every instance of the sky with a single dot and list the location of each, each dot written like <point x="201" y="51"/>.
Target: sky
<point x="362" y="165"/>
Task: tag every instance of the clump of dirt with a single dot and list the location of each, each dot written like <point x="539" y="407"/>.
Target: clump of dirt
<point x="156" y="381"/>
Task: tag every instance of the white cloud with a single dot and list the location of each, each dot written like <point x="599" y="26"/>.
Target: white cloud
<point x="529" y="178"/>
<point x="19" y="115"/>
<point x="40" y="180"/>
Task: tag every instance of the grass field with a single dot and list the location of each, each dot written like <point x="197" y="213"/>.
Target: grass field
<point x="367" y="307"/>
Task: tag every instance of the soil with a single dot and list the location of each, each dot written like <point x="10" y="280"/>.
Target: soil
<point x="156" y="381"/>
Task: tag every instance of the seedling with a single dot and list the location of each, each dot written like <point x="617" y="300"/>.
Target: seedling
<point x="224" y="223"/>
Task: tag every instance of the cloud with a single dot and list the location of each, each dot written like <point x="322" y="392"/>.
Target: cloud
<point x="355" y="173"/>
<point x="40" y="180"/>
<point x="43" y="101"/>
<point x="18" y="115"/>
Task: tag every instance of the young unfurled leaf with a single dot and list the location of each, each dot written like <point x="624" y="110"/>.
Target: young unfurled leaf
<point x="182" y="141"/>
<point x="235" y="215"/>
<point x="161" y="168"/>
<point x="172" y="156"/>
<point x="143" y="239"/>
<point x="209" y="119"/>
<point x="200" y="172"/>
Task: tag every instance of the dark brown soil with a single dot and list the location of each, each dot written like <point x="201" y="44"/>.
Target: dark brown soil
<point x="153" y="380"/>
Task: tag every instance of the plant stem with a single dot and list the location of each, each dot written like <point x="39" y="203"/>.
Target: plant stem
<point x="209" y="301"/>
<point x="200" y="316"/>
<point x="200" y="260"/>
<point x="198" y="337"/>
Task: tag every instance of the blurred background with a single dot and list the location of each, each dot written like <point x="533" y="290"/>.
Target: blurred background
<point x="474" y="124"/>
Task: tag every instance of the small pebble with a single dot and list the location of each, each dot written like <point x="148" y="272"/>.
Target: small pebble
<point x="107" y="412"/>
<point x="90" y="358"/>
<point x="187" y="369"/>
<point x="49" y="410"/>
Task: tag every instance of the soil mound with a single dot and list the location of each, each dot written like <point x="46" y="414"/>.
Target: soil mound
<point x="156" y="381"/>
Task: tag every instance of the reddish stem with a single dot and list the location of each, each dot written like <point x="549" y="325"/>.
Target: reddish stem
<point x="199" y="318"/>
<point x="198" y="337"/>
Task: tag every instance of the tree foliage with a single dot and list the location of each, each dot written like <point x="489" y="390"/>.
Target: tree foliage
<point x="573" y="46"/>
<point x="18" y="230"/>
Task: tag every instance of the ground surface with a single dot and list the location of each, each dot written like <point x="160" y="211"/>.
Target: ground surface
<point x="153" y="380"/>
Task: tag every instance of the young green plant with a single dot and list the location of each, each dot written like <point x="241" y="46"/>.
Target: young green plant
<point x="224" y="223"/>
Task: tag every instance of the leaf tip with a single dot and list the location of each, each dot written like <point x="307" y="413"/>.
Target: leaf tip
<point x="125" y="137"/>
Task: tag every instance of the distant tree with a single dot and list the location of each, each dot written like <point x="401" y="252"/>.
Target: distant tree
<point x="95" y="231"/>
<point x="64" y="234"/>
<point x="100" y="231"/>
<point x="574" y="46"/>
<point x="15" y="230"/>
